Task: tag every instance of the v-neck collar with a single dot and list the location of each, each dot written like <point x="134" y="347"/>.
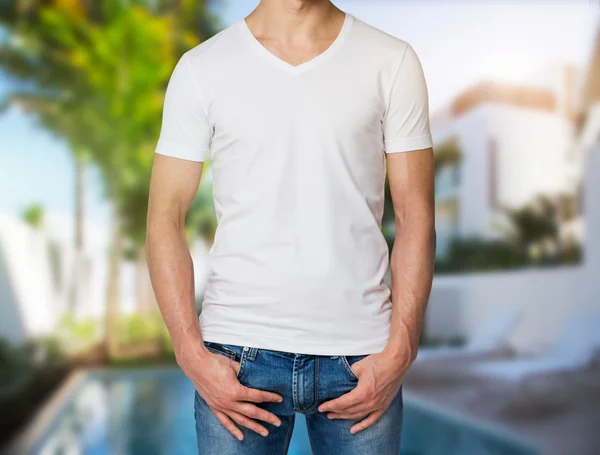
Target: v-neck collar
<point x="288" y="67"/>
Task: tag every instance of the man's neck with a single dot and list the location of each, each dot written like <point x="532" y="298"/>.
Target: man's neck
<point x="295" y="21"/>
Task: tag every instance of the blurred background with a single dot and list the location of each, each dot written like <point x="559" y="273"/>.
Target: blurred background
<point x="509" y="362"/>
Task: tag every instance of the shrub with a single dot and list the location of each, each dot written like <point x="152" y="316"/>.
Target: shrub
<point x="473" y="254"/>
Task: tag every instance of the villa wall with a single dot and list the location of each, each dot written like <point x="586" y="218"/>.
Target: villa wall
<point x="459" y="305"/>
<point x="27" y="297"/>
<point x="12" y="323"/>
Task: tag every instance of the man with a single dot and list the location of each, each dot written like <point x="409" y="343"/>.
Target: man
<point x="299" y="107"/>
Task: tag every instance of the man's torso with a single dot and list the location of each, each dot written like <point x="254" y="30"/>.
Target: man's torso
<point x="298" y="165"/>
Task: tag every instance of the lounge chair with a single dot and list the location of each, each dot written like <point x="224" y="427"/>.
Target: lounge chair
<point x="490" y="337"/>
<point x="575" y="348"/>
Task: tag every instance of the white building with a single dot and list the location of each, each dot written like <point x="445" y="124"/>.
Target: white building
<point x="546" y="297"/>
<point x="514" y="143"/>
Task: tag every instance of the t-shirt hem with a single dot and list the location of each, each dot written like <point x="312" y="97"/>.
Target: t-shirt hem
<point x="407" y="144"/>
<point x="176" y="150"/>
<point x="294" y="346"/>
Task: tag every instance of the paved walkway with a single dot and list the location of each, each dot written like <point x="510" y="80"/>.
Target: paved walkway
<point x="560" y="413"/>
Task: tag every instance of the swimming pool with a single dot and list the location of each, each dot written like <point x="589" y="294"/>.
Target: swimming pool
<point x="150" y="412"/>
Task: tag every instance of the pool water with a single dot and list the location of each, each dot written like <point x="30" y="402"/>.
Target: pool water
<point x="151" y="413"/>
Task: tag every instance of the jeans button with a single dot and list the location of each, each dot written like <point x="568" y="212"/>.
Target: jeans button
<point x="246" y="348"/>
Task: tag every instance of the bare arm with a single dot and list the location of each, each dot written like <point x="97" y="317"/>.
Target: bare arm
<point x="381" y="374"/>
<point x="411" y="184"/>
<point x="172" y="189"/>
<point x="173" y="185"/>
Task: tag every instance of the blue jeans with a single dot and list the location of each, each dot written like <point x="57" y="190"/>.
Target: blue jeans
<point x="304" y="381"/>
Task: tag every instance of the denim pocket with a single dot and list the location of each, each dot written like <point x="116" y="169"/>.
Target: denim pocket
<point x="231" y="351"/>
<point x="348" y="360"/>
<point x="218" y="348"/>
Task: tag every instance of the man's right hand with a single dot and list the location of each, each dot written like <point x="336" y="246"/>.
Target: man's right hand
<point x="215" y="379"/>
<point x="173" y="186"/>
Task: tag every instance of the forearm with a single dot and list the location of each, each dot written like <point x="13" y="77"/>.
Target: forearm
<point x="172" y="275"/>
<point x="411" y="267"/>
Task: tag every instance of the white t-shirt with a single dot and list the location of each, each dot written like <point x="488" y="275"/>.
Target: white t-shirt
<point x="298" y="163"/>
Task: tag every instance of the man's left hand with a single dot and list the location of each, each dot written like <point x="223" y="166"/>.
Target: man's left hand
<point x="380" y="376"/>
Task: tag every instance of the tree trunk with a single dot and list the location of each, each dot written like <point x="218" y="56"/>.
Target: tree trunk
<point x="78" y="259"/>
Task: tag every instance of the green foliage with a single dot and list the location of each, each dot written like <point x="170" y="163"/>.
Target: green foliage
<point x="137" y="328"/>
<point x="167" y="342"/>
<point x="447" y="154"/>
<point x="133" y="329"/>
<point x="50" y="350"/>
<point x="201" y="219"/>
<point x="389" y="233"/>
<point x="17" y="363"/>
<point x="95" y="74"/>
<point x="569" y="204"/>
<point x="535" y="221"/>
<point x="475" y="254"/>
<point x="431" y="342"/>
<point x="571" y="252"/>
<point x="78" y="333"/>
<point x="533" y="237"/>
<point x="536" y="227"/>
<point x="34" y="215"/>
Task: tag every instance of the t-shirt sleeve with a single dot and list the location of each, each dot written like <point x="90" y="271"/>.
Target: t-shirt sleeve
<point x="185" y="131"/>
<point x="406" y="120"/>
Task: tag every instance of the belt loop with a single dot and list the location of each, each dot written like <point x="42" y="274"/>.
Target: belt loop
<point x="252" y="353"/>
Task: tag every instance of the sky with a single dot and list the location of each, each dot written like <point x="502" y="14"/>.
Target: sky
<point x="458" y="43"/>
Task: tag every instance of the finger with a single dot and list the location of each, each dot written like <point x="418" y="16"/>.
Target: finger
<point x="258" y="396"/>
<point x="348" y="399"/>
<point x="367" y="422"/>
<point x="236" y="366"/>
<point x="347" y="415"/>
<point x="248" y="423"/>
<point x="254" y="412"/>
<point x="364" y="408"/>
<point x="228" y="424"/>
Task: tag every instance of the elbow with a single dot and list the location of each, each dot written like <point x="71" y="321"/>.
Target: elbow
<point x="418" y="224"/>
<point x="163" y="227"/>
<point x="423" y="220"/>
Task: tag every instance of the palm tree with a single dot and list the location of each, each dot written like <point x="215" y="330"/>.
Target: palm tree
<point x="94" y="73"/>
<point x="44" y="103"/>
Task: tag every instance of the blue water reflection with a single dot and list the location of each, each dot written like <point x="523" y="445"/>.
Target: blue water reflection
<point x="151" y="413"/>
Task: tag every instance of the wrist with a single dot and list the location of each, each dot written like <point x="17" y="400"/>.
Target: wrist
<point x="189" y="347"/>
<point x="399" y="353"/>
<point x="402" y="350"/>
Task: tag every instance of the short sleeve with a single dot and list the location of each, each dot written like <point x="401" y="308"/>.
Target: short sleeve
<point x="406" y="120"/>
<point x="185" y="132"/>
